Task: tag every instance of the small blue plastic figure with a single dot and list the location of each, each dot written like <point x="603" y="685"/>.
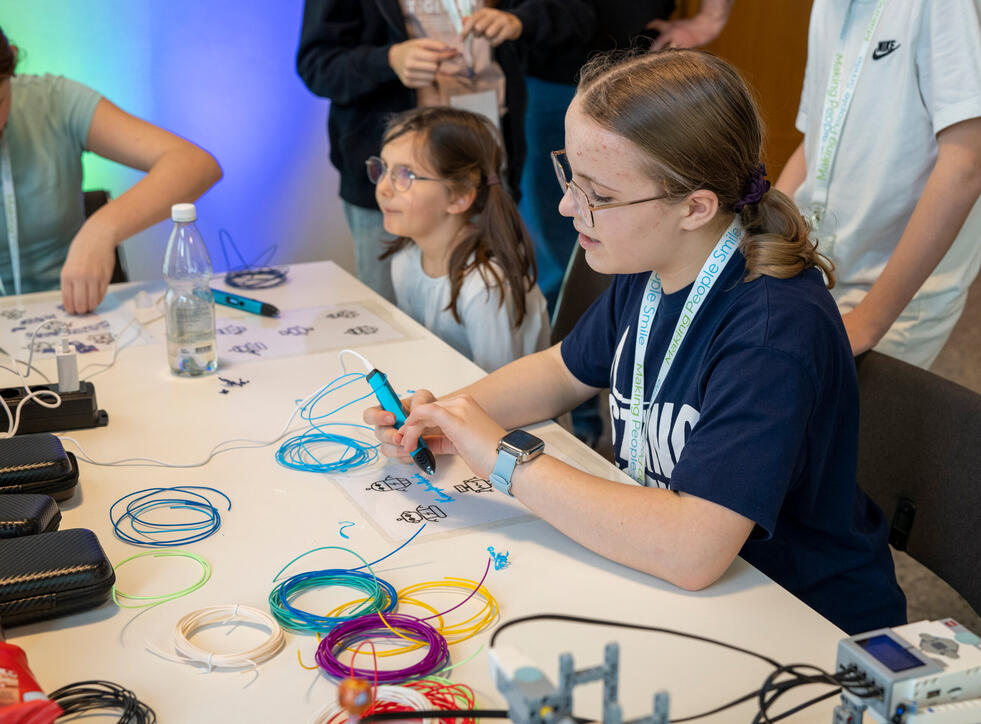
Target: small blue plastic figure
<point x="500" y="559"/>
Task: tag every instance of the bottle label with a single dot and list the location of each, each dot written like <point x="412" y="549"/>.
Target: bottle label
<point x="201" y="349"/>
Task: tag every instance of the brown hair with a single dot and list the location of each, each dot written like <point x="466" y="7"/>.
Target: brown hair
<point x="8" y="57"/>
<point x="695" y="117"/>
<point x="465" y="150"/>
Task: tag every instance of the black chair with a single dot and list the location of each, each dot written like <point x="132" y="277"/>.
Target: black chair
<point x="94" y="200"/>
<point x="919" y="458"/>
<point x="580" y="288"/>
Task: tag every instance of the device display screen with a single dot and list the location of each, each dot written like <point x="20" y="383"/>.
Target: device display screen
<point x="889" y="653"/>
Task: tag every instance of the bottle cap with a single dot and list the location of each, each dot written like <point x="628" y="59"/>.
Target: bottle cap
<point x="183" y="212"/>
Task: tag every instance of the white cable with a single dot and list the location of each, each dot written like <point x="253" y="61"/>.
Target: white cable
<point x="13" y="419"/>
<point x="189" y="653"/>
<point x="402" y="695"/>
<point x="366" y="363"/>
<point x="219" y="448"/>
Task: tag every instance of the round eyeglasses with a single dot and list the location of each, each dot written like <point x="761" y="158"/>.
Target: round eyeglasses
<point x="564" y="174"/>
<point x="402" y="176"/>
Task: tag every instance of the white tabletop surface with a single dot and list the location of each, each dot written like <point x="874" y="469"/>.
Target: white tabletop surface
<point x="279" y="513"/>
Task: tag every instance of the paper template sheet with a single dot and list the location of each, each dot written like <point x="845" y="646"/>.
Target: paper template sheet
<point x="246" y="337"/>
<point x="399" y="498"/>
<point x="86" y="333"/>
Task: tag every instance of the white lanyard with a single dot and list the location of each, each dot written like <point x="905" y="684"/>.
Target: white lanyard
<point x="10" y="206"/>
<point x="837" y="101"/>
<point x="636" y="427"/>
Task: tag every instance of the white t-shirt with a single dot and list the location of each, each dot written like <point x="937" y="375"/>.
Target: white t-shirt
<point x="922" y="75"/>
<point x="487" y="335"/>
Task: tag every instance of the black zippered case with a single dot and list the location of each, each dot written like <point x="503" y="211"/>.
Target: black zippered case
<point x="50" y="575"/>
<point x="27" y="514"/>
<point x="37" y="464"/>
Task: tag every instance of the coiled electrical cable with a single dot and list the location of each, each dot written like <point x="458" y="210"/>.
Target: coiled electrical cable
<point x="376" y="626"/>
<point x="91" y="696"/>
<point x="301" y="452"/>
<point x="453" y="633"/>
<point x="257" y="275"/>
<point x="193" y="654"/>
<point x="149" y="601"/>
<point x="159" y="534"/>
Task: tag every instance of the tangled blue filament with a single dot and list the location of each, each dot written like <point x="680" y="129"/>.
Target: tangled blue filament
<point x="380" y="594"/>
<point x="300" y="451"/>
<point x="141" y="531"/>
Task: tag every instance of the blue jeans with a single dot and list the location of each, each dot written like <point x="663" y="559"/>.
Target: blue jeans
<point x="552" y="234"/>
<point x="370" y="240"/>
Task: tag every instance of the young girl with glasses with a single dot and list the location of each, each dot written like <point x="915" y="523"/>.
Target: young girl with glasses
<point x="733" y="392"/>
<point x="463" y="264"/>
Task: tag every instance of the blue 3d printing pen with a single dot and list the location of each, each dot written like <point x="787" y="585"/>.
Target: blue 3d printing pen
<point x="244" y="303"/>
<point x="423" y="456"/>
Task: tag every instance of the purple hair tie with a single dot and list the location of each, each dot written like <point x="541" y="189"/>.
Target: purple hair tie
<point x="493" y="180"/>
<point x="756" y="186"/>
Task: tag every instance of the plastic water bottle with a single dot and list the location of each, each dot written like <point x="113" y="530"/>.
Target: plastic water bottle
<point x="189" y="306"/>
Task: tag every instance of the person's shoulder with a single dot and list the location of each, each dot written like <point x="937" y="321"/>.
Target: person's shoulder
<point x="49" y="84"/>
<point x="796" y="316"/>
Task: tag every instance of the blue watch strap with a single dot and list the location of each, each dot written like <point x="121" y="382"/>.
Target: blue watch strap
<point x="503" y="469"/>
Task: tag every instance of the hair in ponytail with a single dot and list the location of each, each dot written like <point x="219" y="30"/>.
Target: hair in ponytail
<point x="694" y="116"/>
<point x="465" y="150"/>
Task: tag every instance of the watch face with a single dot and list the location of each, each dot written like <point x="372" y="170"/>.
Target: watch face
<point x="521" y="441"/>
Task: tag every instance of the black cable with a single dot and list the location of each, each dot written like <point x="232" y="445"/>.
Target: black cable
<point x="436" y="714"/>
<point x="634" y="626"/>
<point x="850" y="681"/>
<point x="85" y="696"/>
<point x="809" y="702"/>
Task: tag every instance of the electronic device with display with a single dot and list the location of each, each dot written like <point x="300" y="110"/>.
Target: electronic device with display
<point x="921" y="672"/>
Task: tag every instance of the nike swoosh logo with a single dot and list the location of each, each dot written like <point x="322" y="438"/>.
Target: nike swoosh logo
<point x="878" y="54"/>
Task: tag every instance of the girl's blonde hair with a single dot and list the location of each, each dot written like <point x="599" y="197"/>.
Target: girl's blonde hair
<point x="466" y="151"/>
<point x="694" y="116"/>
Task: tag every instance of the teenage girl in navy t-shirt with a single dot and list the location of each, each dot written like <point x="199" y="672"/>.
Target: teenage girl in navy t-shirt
<point x="733" y="393"/>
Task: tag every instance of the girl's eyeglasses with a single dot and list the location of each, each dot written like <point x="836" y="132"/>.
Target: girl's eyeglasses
<point x="564" y="174"/>
<point x="402" y="176"/>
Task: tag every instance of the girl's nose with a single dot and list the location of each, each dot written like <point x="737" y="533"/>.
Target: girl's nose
<point x="567" y="206"/>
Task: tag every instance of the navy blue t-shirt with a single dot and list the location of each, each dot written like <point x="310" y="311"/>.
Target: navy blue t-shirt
<point x="758" y="414"/>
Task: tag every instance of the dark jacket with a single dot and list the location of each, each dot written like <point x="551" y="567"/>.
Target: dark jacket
<point x="343" y="56"/>
<point x="620" y="25"/>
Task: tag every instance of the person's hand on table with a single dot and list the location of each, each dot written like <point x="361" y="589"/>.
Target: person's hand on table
<point x="87" y="270"/>
<point x="415" y="61"/>
<point x="497" y="26"/>
<point x="453" y="426"/>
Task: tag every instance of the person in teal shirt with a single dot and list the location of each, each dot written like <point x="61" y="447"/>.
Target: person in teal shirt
<point x="46" y="122"/>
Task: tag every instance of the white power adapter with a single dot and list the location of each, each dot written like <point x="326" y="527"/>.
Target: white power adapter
<point x="67" y="368"/>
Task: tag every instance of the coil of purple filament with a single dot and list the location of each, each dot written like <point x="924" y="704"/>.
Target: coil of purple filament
<point x="371" y="626"/>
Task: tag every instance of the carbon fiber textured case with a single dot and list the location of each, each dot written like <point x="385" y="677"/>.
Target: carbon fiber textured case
<point x="37" y="464"/>
<point x="27" y="515"/>
<point x="31" y="458"/>
<point x="52" y="574"/>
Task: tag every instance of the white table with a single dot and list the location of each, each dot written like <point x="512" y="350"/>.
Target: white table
<point x="279" y="513"/>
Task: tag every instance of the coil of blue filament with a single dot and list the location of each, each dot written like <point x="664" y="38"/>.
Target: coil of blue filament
<point x="132" y="523"/>
<point x="305" y="450"/>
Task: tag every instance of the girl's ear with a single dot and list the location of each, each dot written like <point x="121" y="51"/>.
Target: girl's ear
<point x="461" y="201"/>
<point x="700" y="208"/>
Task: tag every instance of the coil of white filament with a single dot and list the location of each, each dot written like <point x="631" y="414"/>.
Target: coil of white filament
<point x="404" y="696"/>
<point x="251" y="658"/>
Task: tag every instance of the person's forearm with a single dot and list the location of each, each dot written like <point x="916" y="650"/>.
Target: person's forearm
<point x="793" y="173"/>
<point x="685" y="540"/>
<point x="178" y="176"/>
<point x="530" y="389"/>
<point x="950" y="192"/>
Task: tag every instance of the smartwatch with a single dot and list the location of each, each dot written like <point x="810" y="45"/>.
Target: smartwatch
<point x="516" y="447"/>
